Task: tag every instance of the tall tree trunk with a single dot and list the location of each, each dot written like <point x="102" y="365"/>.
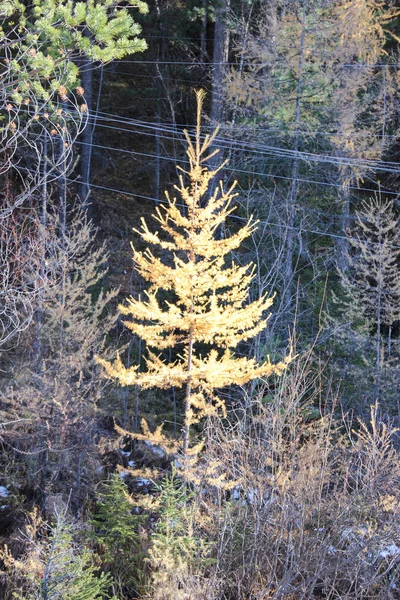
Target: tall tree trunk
<point x="203" y="32"/>
<point x="62" y="199"/>
<point x="220" y="58"/>
<point x="342" y="241"/>
<point x="86" y="138"/>
<point x="37" y="345"/>
<point x="157" y="166"/>
<point x="379" y="313"/>
<point x="188" y="409"/>
<point x="160" y="55"/>
<point x="293" y="191"/>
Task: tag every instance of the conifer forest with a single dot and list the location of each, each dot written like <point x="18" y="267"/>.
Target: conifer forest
<point x="200" y="300"/>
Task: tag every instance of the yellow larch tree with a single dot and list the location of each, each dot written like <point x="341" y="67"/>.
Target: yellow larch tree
<point x="208" y="313"/>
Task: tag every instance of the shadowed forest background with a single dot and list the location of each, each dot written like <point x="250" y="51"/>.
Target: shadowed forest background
<point x="199" y="300"/>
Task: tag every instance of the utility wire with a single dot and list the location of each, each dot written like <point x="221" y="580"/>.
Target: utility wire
<point x="264" y="150"/>
<point x="237" y="217"/>
<point x="258" y="149"/>
<point x="233" y="170"/>
<point x="231" y="216"/>
<point x="245" y="127"/>
<point x="232" y="143"/>
<point x="246" y="146"/>
<point x="250" y="64"/>
<point x="175" y="160"/>
<point x="255" y="148"/>
<point x="113" y="117"/>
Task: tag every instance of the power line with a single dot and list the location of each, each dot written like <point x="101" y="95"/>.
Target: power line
<point x="258" y="149"/>
<point x="175" y="160"/>
<point x="263" y="148"/>
<point x="174" y="128"/>
<point x="268" y="175"/>
<point x="261" y="222"/>
<point x="239" y="126"/>
<point x="256" y="126"/>
<point x="249" y="64"/>
<point x="237" y="217"/>
<point x="260" y="128"/>
<point x="325" y="184"/>
<point x="228" y="143"/>
<point x="169" y="128"/>
<point x="234" y="170"/>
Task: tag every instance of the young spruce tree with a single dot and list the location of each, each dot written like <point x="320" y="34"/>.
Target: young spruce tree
<point x="373" y="280"/>
<point x="208" y="313"/>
